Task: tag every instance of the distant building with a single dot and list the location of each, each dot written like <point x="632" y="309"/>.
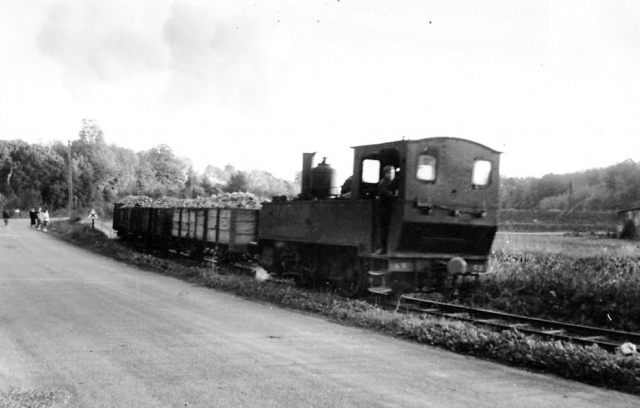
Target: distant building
<point x="628" y="224"/>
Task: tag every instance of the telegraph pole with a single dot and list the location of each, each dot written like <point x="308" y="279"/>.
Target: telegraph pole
<point x="70" y="181"/>
<point x="191" y="182"/>
<point x="570" y="195"/>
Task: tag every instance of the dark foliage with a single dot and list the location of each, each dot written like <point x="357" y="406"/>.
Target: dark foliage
<point x="36" y="175"/>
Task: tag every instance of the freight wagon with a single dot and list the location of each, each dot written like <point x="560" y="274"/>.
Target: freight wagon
<point x="195" y="230"/>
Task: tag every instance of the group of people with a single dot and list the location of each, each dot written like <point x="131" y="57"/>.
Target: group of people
<point x="39" y="219"/>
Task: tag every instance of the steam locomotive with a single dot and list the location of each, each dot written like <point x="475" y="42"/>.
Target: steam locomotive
<point x="439" y="226"/>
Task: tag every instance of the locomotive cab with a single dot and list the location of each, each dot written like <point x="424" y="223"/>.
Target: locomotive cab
<point x="447" y="193"/>
<point x="444" y="217"/>
<point x="439" y="224"/>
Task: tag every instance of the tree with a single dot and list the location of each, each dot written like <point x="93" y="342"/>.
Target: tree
<point x="32" y="175"/>
<point x="93" y="147"/>
<point x="219" y="176"/>
<point x="94" y="160"/>
<point x="125" y="178"/>
<point x="209" y="188"/>
<point x="237" y="183"/>
<point x="264" y="184"/>
<point x="167" y="169"/>
<point x="194" y="185"/>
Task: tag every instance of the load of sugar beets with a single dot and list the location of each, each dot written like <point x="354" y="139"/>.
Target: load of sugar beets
<point x="223" y="200"/>
<point x="435" y="229"/>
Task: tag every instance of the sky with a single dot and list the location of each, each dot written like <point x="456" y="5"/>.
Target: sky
<point x="553" y="85"/>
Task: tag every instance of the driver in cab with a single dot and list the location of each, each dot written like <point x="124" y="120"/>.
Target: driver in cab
<point x="387" y="190"/>
<point x="388" y="185"/>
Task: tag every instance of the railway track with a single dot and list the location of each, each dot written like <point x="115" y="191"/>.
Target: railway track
<point x="609" y="340"/>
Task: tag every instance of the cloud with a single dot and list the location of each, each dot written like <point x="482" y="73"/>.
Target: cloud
<point x="199" y="50"/>
<point x="216" y="50"/>
<point x="101" y="41"/>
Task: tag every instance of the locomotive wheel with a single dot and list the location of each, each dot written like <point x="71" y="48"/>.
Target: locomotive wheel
<point x="353" y="279"/>
<point x="308" y="275"/>
<point x="287" y="260"/>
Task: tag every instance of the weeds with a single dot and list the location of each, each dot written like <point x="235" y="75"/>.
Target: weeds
<point x="597" y="291"/>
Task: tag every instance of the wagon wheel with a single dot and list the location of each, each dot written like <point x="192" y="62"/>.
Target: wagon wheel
<point x="221" y="255"/>
<point x="353" y="279"/>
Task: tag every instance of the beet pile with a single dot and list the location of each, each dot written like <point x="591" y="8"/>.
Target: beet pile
<point x="223" y="200"/>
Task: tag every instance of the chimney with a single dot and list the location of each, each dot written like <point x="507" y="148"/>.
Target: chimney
<point x="307" y="164"/>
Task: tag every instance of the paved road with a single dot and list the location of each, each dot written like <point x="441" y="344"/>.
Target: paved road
<point x="86" y="331"/>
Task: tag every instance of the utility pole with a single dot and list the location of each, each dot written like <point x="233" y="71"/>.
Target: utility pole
<point x="570" y="195"/>
<point x="70" y="182"/>
<point x="191" y="182"/>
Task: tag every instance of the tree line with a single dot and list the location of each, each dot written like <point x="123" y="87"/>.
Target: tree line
<point x="603" y="189"/>
<point x="37" y="175"/>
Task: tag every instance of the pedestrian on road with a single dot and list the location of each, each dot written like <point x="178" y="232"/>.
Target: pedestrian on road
<point x="6" y="216"/>
<point x="39" y="218"/>
<point x="34" y="217"/>
<point x="45" y="219"/>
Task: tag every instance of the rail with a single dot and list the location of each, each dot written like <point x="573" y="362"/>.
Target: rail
<point x="606" y="339"/>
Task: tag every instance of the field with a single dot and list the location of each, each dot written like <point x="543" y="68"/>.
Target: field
<point x="536" y="220"/>
<point x="582" y="280"/>
<point x="558" y="244"/>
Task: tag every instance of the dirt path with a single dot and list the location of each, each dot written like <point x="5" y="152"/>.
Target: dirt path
<point x="85" y="331"/>
<point x="106" y="226"/>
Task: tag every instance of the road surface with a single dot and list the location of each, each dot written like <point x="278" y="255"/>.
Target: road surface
<point x="81" y="330"/>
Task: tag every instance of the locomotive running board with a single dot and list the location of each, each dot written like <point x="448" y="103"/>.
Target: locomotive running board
<point x="420" y="255"/>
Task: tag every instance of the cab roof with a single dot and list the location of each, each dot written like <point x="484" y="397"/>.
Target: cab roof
<point x="407" y="141"/>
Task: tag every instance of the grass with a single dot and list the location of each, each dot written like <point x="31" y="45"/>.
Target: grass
<point x="579" y="280"/>
<point x="587" y="364"/>
<point x="541" y="220"/>
<point x="555" y="244"/>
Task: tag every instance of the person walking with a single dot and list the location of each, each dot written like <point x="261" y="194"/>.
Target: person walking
<point x="6" y="216"/>
<point x="45" y="219"/>
<point x="39" y="219"/>
<point x="34" y="217"/>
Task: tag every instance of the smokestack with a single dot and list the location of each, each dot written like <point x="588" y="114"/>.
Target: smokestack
<point x="307" y="164"/>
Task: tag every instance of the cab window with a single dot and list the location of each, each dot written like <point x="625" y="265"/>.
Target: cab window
<point x="481" y="173"/>
<point x="370" y="171"/>
<point x="426" y="167"/>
